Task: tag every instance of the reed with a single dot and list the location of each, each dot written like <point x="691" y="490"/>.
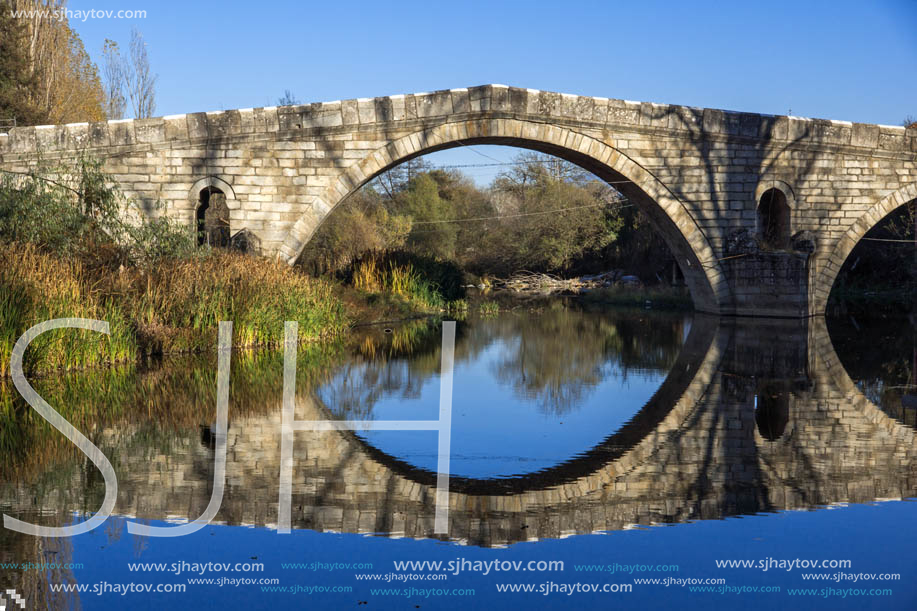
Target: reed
<point x="35" y="287"/>
<point x="172" y="306"/>
<point x="425" y="283"/>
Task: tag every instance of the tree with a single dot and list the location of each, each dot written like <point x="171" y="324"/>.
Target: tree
<point x="16" y="80"/>
<point x="288" y="99"/>
<point x="113" y="80"/>
<point x="76" y="94"/>
<point x="557" y="215"/>
<point x="128" y="79"/>
<point x="45" y="67"/>
<point x="140" y="83"/>
<point x="429" y="234"/>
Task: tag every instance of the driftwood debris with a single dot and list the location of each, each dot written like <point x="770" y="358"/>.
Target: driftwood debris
<point x="525" y="281"/>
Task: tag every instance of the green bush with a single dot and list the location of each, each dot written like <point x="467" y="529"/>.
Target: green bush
<point x="76" y="211"/>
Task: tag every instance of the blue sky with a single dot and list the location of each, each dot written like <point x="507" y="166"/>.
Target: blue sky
<point x="839" y="60"/>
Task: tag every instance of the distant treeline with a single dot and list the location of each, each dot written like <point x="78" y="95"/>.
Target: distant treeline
<point x="541" y="215"/>
<point x="47" y="76"/>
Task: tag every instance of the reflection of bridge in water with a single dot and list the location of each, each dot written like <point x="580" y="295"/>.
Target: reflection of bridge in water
<point x="752" y="418"/>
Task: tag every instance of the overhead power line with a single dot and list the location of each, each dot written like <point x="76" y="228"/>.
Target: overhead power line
<point x="521" y="214"/>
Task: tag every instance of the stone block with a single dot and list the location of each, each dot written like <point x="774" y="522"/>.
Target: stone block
<point x="366" y="108"/>
<point x="517" y="100"/>
<point x="197" y="125"/>
<point x="50" y="137"/>
<point x="865" y="135"/>
<point x="322" y="115"/>
<point x="121" y="133"/>
<point x="436" y="104"/>
<point x="99" y="134"/>
<point x="149" y="131"/>
<point x="461" y="102"/>
<point x="265" y="119"/>
<point x="349" y="112"/>
<point x="621" y="112"/>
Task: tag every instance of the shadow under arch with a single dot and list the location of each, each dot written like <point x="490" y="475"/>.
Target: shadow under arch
<point x="869" y="219"/>
<point x="680" y="230"/>
<point x="665" y="412"/>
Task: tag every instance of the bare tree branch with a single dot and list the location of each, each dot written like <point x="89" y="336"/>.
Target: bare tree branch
<point x="141" y="85"/>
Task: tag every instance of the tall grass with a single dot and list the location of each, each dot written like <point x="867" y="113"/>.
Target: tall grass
<point x="35" y="287"/>
<point x="424" y="282"/>
<point x="180" y="303"/>
<point x="69" y="248"/>
<point x="169" y="307"/>
<point x="159" y="401"/>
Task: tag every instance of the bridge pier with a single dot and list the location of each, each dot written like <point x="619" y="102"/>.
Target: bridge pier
<point x="769" y="284"/>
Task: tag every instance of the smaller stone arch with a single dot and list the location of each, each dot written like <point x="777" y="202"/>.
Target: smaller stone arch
<point x="774" y="204"/>
<point x="773" y="183"/>
<point x="211" y="199"/>
<point x="211" y="181"/>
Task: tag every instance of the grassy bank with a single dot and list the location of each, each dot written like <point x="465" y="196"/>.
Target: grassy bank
<point x="398" y="284"/>
<point x="171" y="306"/>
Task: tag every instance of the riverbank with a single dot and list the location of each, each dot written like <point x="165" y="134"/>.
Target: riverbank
<point x="173" y="306"/>
<point x="170" y="307"/>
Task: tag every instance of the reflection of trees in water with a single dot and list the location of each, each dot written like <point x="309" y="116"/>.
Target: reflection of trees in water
<point x="34" y="585"/>
<point x="559" y="357"/>
<point x="359" y="384"/>
<point x="555" y="357"/>
<point x="157" y="401"/>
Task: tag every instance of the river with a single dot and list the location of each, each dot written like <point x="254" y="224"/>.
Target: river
<point x="624" y="445"/>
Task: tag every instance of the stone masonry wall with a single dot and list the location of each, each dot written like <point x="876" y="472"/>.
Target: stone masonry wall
<point x="697" y="172"/>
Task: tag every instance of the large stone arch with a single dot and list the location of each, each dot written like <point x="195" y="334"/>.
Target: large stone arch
<point x="869" y="219"/>
<point x="680" y="229"/>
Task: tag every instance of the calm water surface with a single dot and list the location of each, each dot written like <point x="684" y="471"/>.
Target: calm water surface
<point x="590" y="437"/>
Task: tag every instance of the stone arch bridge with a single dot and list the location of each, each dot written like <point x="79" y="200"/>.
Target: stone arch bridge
<point x="707" y="178"/>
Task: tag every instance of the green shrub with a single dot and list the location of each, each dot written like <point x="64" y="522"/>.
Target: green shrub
<point x="76" y="211"/>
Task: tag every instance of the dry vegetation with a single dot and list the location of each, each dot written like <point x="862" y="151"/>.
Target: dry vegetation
<point x="172" y="306"/>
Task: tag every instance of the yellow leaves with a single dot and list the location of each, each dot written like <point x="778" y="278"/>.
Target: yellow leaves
<point x="65" y="82"/>
<point x="77" y="95"/>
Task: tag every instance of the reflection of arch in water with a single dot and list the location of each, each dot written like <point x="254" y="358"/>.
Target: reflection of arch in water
<point x="687" y="380"/>
<point x="772" y="409"/>
<point x="822" y="347"/>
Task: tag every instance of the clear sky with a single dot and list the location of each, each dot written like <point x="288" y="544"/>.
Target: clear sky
<point x="839" y="60"/>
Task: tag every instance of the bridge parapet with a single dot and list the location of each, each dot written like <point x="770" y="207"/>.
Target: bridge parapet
<point x="493" y="100"/>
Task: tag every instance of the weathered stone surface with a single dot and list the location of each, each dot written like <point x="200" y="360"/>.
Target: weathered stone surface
<point x="696" y="172"/>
